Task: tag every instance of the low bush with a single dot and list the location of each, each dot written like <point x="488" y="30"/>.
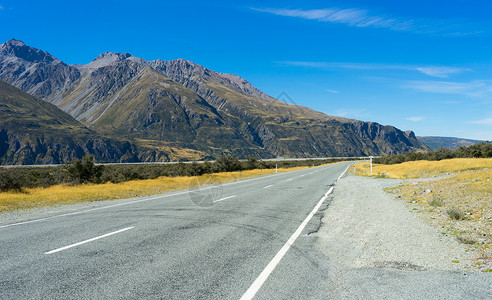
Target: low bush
<point x="456" y="214"/>
<point x="10" y="183"/>
<point x="436" y="201"/>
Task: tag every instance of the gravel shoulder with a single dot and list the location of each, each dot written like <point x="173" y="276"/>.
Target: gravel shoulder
<point x="366" y="227"/>
<point x="379" y="249"/>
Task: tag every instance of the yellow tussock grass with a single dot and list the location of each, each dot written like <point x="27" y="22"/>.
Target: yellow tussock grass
<point x="65" y="194"/>
<point x="423" y="168"/>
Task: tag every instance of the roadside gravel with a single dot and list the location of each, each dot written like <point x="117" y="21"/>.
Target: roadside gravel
<point x="366" y="227"/>
<point x="379" y="249"/>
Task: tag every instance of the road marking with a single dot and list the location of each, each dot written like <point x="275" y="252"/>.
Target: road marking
<point x="253" y="289"/>
<point x="290" y="179"/>
<point x="141" y="200"/>
<point x="303" y="175"/>
<point x="147" y="199"/>
<point x="268" y="186"/>
<point x="225" y="198"/>
<point x="88" y="241"/>
<point x="343" y="173"/>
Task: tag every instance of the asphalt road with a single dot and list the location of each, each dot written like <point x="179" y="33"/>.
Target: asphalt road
<point x="218" y="242"/>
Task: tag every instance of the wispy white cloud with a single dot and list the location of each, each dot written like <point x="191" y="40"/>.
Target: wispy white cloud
<point x="475" y="134"/>
<point x="350" y="113"/>
<point x="442" y="72"/>
<point x="476" y="88"/>
<point x="356" y="17"/>
<point x="332" y="91"/>
<point x="415" y="118"/>
<point x="483" y="122"/>
<point x="434" y="71"/>
<point x="350" y="16"/>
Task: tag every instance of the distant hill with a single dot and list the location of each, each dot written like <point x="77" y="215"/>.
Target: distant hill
<point x="436" y="142"/>
<point x="33" y="131"/>
<point x="181" y="110"/>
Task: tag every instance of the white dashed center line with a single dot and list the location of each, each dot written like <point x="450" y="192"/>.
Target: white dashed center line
<point x="88" y="241"/>
<point x="225" y="198"/>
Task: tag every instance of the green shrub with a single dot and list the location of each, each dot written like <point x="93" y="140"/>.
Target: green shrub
<point x="436" y="201"/>
<point x="84" y="171"/>
<point x="10" y="183"/>
<point x="456" y="214"/>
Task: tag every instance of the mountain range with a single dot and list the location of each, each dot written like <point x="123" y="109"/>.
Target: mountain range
<point x="172" y="110"/>
<point x="436" y="142"/>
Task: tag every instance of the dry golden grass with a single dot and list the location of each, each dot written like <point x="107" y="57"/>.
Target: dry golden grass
<point x="423" y="168"/>
<point x="464" y="191"/>
<point x="64" y="194"/>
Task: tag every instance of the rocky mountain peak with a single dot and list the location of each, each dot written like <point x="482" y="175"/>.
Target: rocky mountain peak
<point x="19" y="49"/>
<point x="113" y="55"/>
<point x="187" y="64"/>
<point x="14" y="42"/>
<point x="244" y="86"/>
<point x="106" y="59"/>
<point x="410" y="134"/>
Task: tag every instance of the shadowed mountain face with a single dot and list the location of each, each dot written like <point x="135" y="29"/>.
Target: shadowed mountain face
<point x="178" y="104"/>
<point x="33" y="131"/>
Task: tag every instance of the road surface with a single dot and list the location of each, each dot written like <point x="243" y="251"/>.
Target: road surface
<point x="243" y="239"/>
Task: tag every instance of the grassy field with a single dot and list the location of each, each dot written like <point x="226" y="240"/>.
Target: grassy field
<point x="458" y="199"/>
<point x="423" y="168"/>
<point x="64" y="194"/>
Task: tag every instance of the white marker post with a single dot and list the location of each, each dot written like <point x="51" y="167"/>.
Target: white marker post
<point x="275" y="168"/>
<point x="370" y="157"/>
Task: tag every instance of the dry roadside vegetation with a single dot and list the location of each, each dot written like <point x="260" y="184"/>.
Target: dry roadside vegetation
<point x="454" y="194"/>
<point x="70" y="194"/>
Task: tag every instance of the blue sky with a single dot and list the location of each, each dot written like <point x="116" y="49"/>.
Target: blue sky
<point x="419" y="65"/>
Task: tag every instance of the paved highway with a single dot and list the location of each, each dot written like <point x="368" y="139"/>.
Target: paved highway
<point x="239" y="240"/>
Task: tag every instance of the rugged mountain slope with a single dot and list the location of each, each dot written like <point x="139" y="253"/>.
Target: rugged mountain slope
<point x="179" y="104"/>
<point x="284" y="129"/>
<point x="436" y="142"/>
<point x="33" y="131"/>
<point x="35" y="72"/>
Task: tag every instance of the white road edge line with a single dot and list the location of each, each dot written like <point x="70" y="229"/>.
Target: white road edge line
<point x="88" y="241"/>
<point x="268" y="186"/>
<point x="225" y="198"/>
<point x="253" y="289"/>
<point x="289" y="179"/>
<point x="344" y="172"/>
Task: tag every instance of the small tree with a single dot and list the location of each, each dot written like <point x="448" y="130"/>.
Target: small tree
<point x="227" y="164"/>
<point x="85" y="171"/>
<point x="251" y="163"/>
<point x="10" y="182"/>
